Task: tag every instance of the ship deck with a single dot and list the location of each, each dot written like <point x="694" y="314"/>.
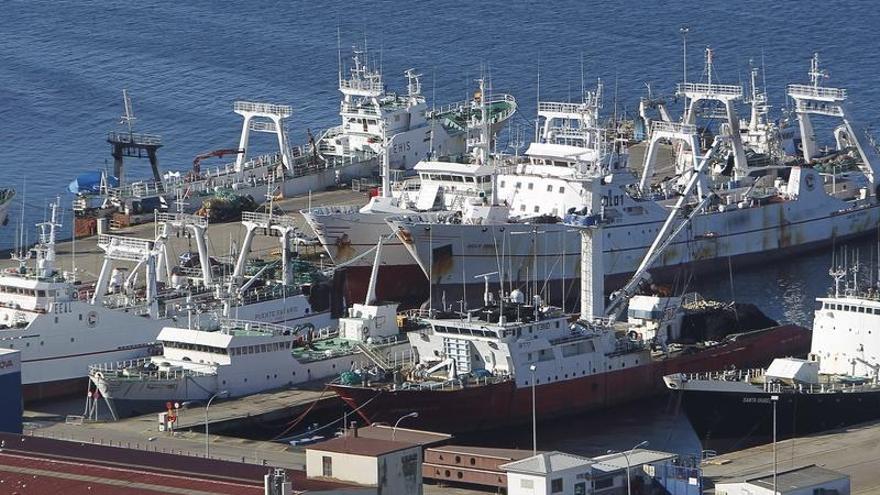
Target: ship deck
<point x="88" y="258"/>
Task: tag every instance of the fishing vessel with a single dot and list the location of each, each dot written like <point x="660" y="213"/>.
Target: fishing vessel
<point x="753" y="211"/>
<point x="62" y="325"/>
<point x="58" y="332"/>
<point x="370" y="115"/>
<point x="836" y="386"/>
<point x="6" y="197"/>
<point x="234" y="358"/>
<point x="348" y="233"/>
<point x="478" y="369"/>
<point x="476" y="372"/>
<point x="231" y="356"/>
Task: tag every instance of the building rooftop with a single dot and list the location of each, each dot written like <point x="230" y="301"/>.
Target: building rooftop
<point x="372" y="447"/>
<point x="547" y="462"/>
<point x="405" y="435"/>
<point x="638" y="457"/>
<point x="798" y="478"/>
<point x="26" y="474"/>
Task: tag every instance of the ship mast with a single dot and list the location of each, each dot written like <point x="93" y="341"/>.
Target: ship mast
<point x="45" y="250"/>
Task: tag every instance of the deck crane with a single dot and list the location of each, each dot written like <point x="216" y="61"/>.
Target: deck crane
<point x="213" y="154"/>
<point x="661" y="242"/>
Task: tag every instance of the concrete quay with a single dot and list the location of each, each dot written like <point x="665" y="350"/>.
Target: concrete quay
<point x="854" y="451"/>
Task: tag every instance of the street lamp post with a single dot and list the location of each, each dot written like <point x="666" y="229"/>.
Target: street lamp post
<point x="626" y="458"/>
<point x="414" y="414"/>
<point x="774" y="399"/>
<point x="223" y="393"/>
<point x="532" y="369"/>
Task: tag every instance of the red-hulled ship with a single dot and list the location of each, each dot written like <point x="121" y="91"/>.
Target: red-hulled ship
<point x="475" y="372"/>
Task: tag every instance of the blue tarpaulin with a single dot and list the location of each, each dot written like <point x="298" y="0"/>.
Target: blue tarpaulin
<point x="90" y="182"/>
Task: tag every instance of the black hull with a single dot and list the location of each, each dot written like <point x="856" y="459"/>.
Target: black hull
<point x="747" y="418"/>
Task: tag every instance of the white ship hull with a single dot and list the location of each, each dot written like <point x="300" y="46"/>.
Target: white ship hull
<point x="59" y="344"/>
<point x="245" y="377"/>
<point x="349" y="236"/>
<point x="452" y="254"/>
<point x="290" y="311"/>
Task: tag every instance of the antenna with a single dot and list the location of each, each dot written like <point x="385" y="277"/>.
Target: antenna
<point x="538" y="100"/>
<point x="487" y="298"/>
<point x="128" y="118"/>
<point x="583" y="83"/>
<point x="816" y="74"/>
<point x="339" y="53"/>
<point x="684" y="30"/>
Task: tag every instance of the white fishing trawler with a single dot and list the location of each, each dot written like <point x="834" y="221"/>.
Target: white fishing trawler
<point x="348" y="233"/>
<point x="58" y="332"/>
<point x="741" y="213"/>
<point x="238" y="357"/>
<point x="61" y="325"/>
<point x="6" y="197"/>
<point x="369" y="114"/>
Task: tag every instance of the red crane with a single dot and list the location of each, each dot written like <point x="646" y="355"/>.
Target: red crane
<point x="213" y="154"/>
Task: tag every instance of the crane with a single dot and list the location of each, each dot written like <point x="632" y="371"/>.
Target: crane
<point x="620" y="297"/>
<point x="213" y="154"/>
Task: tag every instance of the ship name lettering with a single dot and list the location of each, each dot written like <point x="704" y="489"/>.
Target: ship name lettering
<point x="401" y="147"/>
<point x="756" y="400"/>
<point x="612" y="200"/>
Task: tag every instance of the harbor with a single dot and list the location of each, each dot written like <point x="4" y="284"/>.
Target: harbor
<point x="375" y="264"/>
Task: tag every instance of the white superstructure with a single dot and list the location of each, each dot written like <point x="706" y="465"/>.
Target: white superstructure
<point x="238" y="357"/>
<point x="844" y="342"/>
<point x="348" y="232"/>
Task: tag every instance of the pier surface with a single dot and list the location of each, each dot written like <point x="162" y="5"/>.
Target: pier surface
<point x="853" y="451"/>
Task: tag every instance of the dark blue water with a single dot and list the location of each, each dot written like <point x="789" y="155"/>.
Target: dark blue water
<point x="63" y="65"/>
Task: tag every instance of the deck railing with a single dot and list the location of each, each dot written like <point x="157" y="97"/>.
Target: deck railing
<point x="135" y="370"/>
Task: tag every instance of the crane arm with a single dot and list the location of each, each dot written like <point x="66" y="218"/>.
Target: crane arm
<point x="213" y="154"/>
<point x="615" y="308"/>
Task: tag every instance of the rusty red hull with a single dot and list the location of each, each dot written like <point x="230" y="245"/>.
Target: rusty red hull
<point x="503" y="404"/>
